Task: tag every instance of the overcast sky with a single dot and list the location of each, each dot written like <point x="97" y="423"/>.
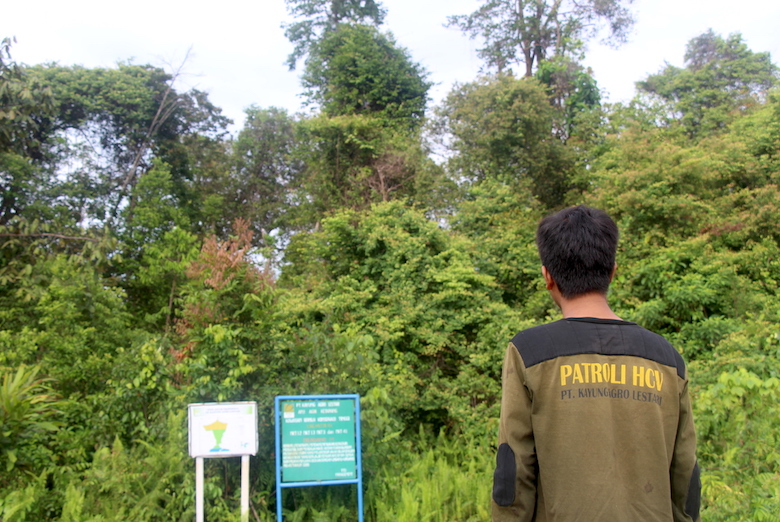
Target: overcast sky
<point x="238" y="48"/>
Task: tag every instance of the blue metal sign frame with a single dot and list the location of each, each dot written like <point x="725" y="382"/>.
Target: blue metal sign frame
<point x="358" y="457"/>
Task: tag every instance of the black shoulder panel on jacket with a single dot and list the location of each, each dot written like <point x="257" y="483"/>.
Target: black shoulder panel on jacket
<point x="600" y="336"/>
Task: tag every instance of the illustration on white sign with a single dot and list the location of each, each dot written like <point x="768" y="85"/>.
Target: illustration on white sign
<point x="218" y="429"/>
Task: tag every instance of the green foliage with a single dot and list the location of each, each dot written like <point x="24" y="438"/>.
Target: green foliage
<point x="396" y="283"/>
<point x="138" y="395"/>
<point x="265" y="170"/>
<point x="739" y="407"/>
<point x="575" y="95"/>
<point x="147" y="482"/>
<point x="319" y="17"/>
<point x="430" y="478"/>
<point x="20" y="505"/>
<point x="28" y="411"/>
<point x="356" y="160"/>
<point x="356" y="69"/>
<point x="502" y="129"/>
<point x="155" y="209"/>
<point x="20" y="185"/>
<point x="28" y="252"/>
<point x="151" y="482"/>
<point x="158" y="247"/>
<point x="24" y="103"/>
<point x="398" y="277"/>
<point x="110" y="123"/>
<point x="365" y="145"/>
<point x="660" y="187"/>
<point x="82" y="322"/>
<point x="434" y="480"/>
<point x="722" y="78"/>
<point x="692" y="289"/>
<point x="501" y="223"/>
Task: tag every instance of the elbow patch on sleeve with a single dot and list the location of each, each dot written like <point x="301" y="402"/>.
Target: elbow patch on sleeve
<point x="693" y="502"/>
<point x="505" y="475"/>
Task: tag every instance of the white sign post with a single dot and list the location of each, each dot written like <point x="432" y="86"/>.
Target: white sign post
<point x="218" y="430"/>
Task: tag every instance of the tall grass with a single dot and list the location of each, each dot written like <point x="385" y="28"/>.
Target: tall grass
<point x="441" y="479"/>
<point x="423" y="478"/>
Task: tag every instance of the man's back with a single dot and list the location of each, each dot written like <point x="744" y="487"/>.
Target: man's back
<point x="595" y="425"/>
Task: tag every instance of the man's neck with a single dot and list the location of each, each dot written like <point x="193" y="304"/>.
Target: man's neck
<point x="587" y="305"/>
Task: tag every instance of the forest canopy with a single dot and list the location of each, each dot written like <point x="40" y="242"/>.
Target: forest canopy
<point x="150" y="259"/>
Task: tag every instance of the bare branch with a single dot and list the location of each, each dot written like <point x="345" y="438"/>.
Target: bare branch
<point x="164" y="111"/>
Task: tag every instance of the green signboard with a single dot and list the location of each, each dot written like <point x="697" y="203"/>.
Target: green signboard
<point x="318" y="440"/>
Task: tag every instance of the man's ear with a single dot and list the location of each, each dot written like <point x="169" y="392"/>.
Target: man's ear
<point x="548" y="280"/>
<point x="614" y="271"/>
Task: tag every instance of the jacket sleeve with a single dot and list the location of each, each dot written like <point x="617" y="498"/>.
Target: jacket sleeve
<point x="684" y="471"/>
<point x="514" y="480"/>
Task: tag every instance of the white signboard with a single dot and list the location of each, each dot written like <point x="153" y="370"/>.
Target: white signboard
<point x="223" y="429"/>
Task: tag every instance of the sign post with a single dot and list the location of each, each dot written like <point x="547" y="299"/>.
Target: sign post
<point x="318" y="443"/>
<point x="222" y="429"/>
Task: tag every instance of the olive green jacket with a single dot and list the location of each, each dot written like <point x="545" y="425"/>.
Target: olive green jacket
<point x="596" y="425"/>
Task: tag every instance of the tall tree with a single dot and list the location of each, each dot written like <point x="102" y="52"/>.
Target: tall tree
<point x="354" y="161"/>
<point x="501" y="128"/>
<point x="365" y="146"/>
<point x="721" y="78"/>
<point x="575" y="95"/>
<point x="317" y="17"/>
<point x="531" y="31"/>
<point x="25" y="105"/>
<point x="356" y="69"/>
<point x="265" y="171"/>
<point x="109" y="125"/>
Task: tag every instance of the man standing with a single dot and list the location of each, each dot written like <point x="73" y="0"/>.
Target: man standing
<point x="596" y="421"/>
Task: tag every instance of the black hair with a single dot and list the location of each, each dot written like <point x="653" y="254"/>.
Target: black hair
<point x="577" y="246"/>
